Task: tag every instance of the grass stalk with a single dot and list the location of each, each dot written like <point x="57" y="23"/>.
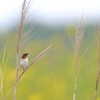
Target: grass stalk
<point x="98" y="74"/>
<point x="24" y="12"/>
<point x="33" y="61"/>
<point x="1" y="83"/>
<point x="24" y="15"/>
<point x="78" y="39"/>
<point x="2" y="67"/>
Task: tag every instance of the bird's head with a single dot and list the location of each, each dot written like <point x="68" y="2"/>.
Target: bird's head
<point x="25" y="55"/>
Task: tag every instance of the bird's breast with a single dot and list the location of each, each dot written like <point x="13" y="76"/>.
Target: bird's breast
<point x="24" y="62"/>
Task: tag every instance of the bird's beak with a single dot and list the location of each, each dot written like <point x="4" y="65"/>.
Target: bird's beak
<point x="28" y="54"/>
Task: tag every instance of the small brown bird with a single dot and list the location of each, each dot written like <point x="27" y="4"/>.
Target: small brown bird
<point x="24" y="60"/>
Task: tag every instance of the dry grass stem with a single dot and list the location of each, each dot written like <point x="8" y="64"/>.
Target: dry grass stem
<point x="1" y="83"/>
<point x="24" y="15"/>
<point x="6" y="64"/>
<point x="4" y="53"/>
<point x="98" y="74"/>
<point x="34" y="60"/>
<point x="28" y="39"/>
<point x="29" y="31"/>
<point x="87" y="49"/>
<point x="71" y="40"/>
<point x="24" y="12"/>
<point x="2" y="68"/>
<point x="78" y="39"/>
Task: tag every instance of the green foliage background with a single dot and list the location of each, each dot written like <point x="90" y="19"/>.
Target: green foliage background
<point x="52" y="77"/>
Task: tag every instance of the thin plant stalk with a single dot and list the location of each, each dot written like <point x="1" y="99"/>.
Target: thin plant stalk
<point x="33" y="61"/>
<point x="24" y="12"/>
<point x="98" y="74"/>
<point x="2" y="67"/>
<point x="1" y="83"/>
<point x="24" y="15"/>
<point x="78" y="39"/>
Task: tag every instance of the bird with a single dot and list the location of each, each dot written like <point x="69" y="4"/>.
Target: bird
<point x="24" y="60"/>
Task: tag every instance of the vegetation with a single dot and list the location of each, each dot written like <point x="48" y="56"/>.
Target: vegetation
<point x="52" y="77"/>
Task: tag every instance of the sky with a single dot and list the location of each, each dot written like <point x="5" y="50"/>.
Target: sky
<point x="50" y="12"/>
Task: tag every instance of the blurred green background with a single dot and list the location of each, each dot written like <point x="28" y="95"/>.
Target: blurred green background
<point x="52" y="77"/>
